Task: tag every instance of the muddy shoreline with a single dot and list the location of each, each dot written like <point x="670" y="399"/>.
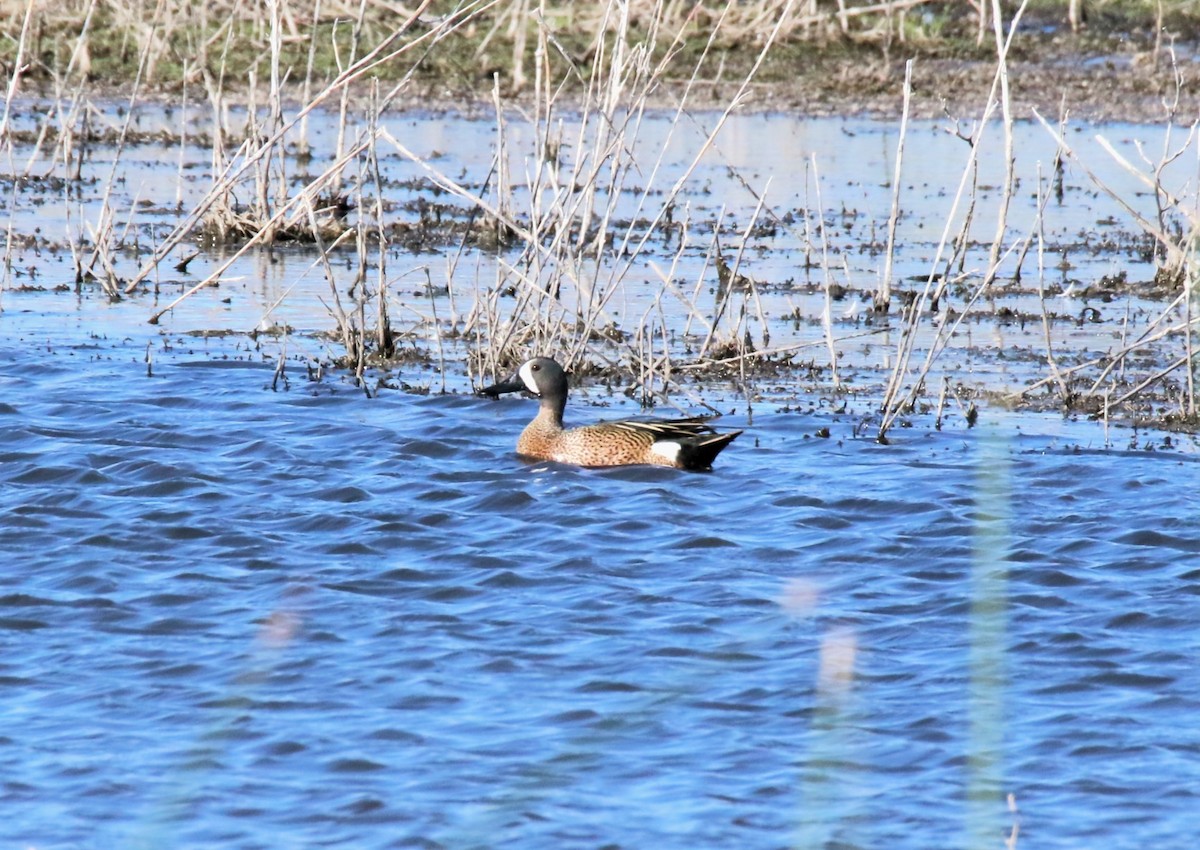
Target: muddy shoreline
<point x="1105" y="73"/>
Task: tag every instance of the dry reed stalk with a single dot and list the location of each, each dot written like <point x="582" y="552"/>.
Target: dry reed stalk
<point x="778" y="351"/>
<point x="1146" y="383"/>
<point x="724" y="288"/>
<point x="1174" y="255"/>
<point x="1188" y="314"/>
<point x="643" y="346"/>
<point x="982" y="7"/>
<point x="883" y="297"/>
<point x="1164" y="199"/>
<point x="904" y="349"/>
<point x="1003" y="44"/>
<point x="1171" y="108"/>
<point x="613" y="136"/>
<point x="1043" y="200"/>
<point x="893" y="403"/>
<point x="356" y="34"/>
<point x="1104" y="417"/>
<point x="303" y="150"/>
<point x="298" y="203"/>
<point x="437" y="329"/>
<point x="66" y="121"/>
<point x="911" y="320"/>
<point x="351" y="336"/>
<point x="6" y="281"/>
<point x="229" y="176"/>
<point x="14" y="79"/>
<point x="941" y="340"/>
<point x="275" y="103"/>
<point x="1040" y="230"/>
<point x="668" y="203"/>
<point x="730" y="279"/>
<point x="941" y="403"/>
<point x="264" y="321"/>
<point x="666" y="281"/>
<point x="1112" y="360"/>
<point x="102" y="234"/>
<point x="555" y="234"/>
<point x="573" y="189"/>
<point x="614" y="107"/>
<point x="827" y="311"/>
<point x="734" y="103"/>
<point x="1117" y="359"/>
<point x="183" y="136"/>
<point x="384" y="344"/>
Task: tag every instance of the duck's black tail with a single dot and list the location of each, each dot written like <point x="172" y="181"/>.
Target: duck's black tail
<point x="699" y="452"/>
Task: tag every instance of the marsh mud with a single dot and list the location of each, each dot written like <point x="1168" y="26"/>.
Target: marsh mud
<point x="1108" y="76"/>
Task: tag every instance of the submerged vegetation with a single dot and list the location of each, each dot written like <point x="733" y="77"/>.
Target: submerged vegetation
<point x="576" y="210"/>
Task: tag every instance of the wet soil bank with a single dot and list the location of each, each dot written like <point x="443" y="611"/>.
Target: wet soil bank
<point x="1112" y="69"/>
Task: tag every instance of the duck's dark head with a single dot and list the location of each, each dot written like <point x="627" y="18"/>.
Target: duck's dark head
<point x="541" y="377"/>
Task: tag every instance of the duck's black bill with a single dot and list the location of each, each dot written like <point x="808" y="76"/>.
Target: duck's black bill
<point x="496" y="390"/>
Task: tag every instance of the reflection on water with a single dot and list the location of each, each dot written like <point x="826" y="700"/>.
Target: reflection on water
<point x="244" y="618"/>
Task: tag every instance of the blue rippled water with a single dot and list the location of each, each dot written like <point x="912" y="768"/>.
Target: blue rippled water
<point x="233" y="617"/>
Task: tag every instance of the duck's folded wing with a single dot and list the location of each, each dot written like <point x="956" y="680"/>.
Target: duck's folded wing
<point x="665" y="429"/>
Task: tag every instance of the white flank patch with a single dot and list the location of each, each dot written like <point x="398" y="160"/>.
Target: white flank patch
<point x="526" y="375"/>
<point x="667" y="449"/>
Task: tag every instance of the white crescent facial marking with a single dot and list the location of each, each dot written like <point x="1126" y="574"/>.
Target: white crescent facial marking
<point x="667" y="449"/>
<point x="526" y="374"/>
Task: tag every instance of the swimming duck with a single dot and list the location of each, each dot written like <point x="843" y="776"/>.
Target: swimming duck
<point x="680" y="443"/>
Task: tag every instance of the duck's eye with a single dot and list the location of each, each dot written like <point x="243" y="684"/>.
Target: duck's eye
<point x="536" y="368"/>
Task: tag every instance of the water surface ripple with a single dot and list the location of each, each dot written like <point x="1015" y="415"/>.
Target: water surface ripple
<point x="242" y="618"/>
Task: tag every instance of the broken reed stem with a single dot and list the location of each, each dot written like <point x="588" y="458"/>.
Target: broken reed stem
<point x="303" y="150"/>
<point x="778" y="351"/>
<point x="722" y="289"/>
<point x="733" y="104"/>
<point x="941" y="339"/>
<point x="1166" y="158"/>
<point x="667" y="280"/>
<point x="66" y="119"/>
<point x="908" y="332"/>
<point x="275" y="104"/>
